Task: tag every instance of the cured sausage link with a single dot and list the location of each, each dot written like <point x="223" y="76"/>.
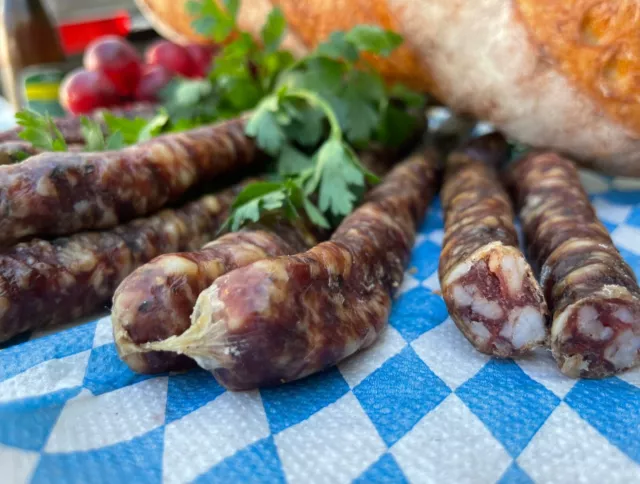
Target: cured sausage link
<point x="62" y="193"/>
<point x="43" y="283"/>
<point x="489" y="288"/>
<point x="591" y="290"/>
<point x="278" y="320"/>
<point x="155" y="302"/>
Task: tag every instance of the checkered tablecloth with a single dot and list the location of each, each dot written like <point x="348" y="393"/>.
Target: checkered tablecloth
<point x="420" y="405"/>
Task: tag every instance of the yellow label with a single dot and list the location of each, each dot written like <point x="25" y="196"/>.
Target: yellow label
<point x="42" y="92"/>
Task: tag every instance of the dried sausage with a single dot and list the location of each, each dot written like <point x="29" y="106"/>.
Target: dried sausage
<point x="62" y="193"/>
<point x="488" y="286"/>
<point x="43" y="283"/>
<point x="156" y="301"/>
<point x="281" y="319"/>
<point x="591" y="290"/>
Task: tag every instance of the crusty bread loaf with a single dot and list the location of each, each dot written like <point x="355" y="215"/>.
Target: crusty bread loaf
<point x="563" y="74"/>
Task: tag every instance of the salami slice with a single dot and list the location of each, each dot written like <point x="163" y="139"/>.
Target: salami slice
<point x="487" y="284"/>
<point x="278" y="320"/>
<point x="63" y="193"/>
<point x="155" y="302"/>
<point x="591" y="290"/>
<point x="44" y="283"/>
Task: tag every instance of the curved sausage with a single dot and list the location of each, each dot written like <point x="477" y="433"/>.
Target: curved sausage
<point x="591" y="290"/>
<point x="281" y="319"/>
<point x="488" y="286"/>
<point x="62" y="193"/>
<point x="155" y="302"/>
<point x="44" y="283"/>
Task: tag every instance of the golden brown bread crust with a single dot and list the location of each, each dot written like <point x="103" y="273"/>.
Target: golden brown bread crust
<point x="595" y="44"/>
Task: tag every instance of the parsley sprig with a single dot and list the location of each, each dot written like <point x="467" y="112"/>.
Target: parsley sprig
<point x="325" y="106"/>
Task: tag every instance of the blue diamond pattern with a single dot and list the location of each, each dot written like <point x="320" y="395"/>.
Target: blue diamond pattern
<point x="515" y="475"/>
<point x="294" y="402"/>
<point x="140" y="457"/>
<point x="26" y="424"/>
<point x="511" y="405"/>
<point x="623" y="198"/>
<point x="199" y="388"/>
<point x="385" y="470"/>
<point x="612" y="407"/>
<point x="632" y="259"/>
<point x="258" y="463"/>
<point x="107" y="372"/>
<point x="399" y="393"/>
<point x="424" y="259"/>
<point x="416" y="312"/>
<point x="22" y="357"/>
<point x="634" y="217"/>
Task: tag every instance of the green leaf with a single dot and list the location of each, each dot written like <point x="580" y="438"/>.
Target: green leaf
<point x="115" y="141"/>
<point x="232" y="6"/>
<point x="211" y="20"/>
<point x="373" y="39"/>
<point x="307" y="127"/>
<point x="153" y="127"/>
<point x="255" y="190"/>
<point x="368" y="85"/>
<point x="338" y="47"/>
<point x="408" y="96"/>
<point x="314" y="214"/>
<point x="92" y="134"/>
<point x="337" y="174"/>
<point x="273" y="30"/>
<point x="264" y="127"/>
<point x="292" y="161"/>
<point x="241" y="93"/>
<point x="129" y="128"/>
<point x="396" y="126"/>
<point x="41" y="131"/>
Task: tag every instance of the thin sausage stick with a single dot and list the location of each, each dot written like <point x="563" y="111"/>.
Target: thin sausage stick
<point x="281" y="319"/>
<point x="487" y="284"/>
<point x="155" y="302"/>
<point x="591" y="290"/>
<point x="62" y="193"/>
<point x="44" y="283"/>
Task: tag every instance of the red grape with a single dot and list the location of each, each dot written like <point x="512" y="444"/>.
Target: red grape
<point x="117" y="59"/>
<point x="153" y="79"/>
<point x="201" y="55"/>
<point x="83" y="91"/>
<point x="172" y="56"/>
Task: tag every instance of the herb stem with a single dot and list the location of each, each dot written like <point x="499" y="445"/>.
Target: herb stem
<point x="318" y="101"/>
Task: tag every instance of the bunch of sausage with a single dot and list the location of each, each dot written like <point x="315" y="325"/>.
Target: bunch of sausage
<point x="276" y="301"/>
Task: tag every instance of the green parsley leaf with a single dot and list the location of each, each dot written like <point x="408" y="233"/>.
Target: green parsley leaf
<point x="334" y="176"/>
<point x="210" y="19"/>
<point x="92" y="134"/>
<point x="129" y="128"/>
<point x="373" y="39"/>
<point x="307" y="126"/>
<point x="292" y="161"/>
<point x="265" y="128"/>
<point x="232" y="6"/>
<point x="153" y="127"/>
<point x="338" y="47"/>
<point x="409" y="97"/>
<point x="41" y="131"/>
<point x="115" y="141"/>
<point x="273" y="30"/>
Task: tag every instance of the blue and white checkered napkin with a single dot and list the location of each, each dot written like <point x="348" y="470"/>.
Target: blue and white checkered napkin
<point x="420" y="406"/>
